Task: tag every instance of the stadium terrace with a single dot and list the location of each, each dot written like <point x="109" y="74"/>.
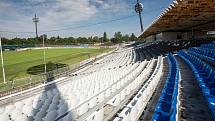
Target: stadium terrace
<point x="167" y="74"/>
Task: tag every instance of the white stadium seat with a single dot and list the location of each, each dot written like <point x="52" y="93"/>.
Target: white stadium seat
<point x="115" y="77"/>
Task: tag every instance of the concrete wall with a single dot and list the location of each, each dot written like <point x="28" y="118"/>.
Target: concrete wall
<point x="184" y="35"/>
<point x="151" y="38"/>
<point x="159" y="37"/>
<point x="169" y="36"/>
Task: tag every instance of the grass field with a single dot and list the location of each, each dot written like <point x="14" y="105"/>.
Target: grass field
<point x="17" y="63"/>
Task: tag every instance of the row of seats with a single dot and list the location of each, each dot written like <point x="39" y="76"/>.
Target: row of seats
<point x="163" y="47"/>
<point x="205" y="75"/>
<point x="102" y="87"/>
<point x="209" y="46"/>
<point x="127" y="89"/>
<point x="206" y="54"/>
<point x="80" y="93"/>
<point x="113" y="60"/>
<point x="140" y="54"/>
<point x="122" y="58"/>
<point x="137" y="104"/>
<point x="121" y="71"/>
<point x="167" y="107"/>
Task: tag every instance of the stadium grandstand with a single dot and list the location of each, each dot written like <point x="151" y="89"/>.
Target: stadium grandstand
<point x="169" y="77"/>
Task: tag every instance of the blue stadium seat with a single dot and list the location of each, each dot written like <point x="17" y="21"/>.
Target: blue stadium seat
<point x="159" y="117"/>
<point x="166" y="109"/>
<point x="205" y="54"/>
<point x="205" y="74"/>
<point x="208" y="46"/>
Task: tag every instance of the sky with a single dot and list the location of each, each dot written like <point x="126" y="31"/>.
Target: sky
<point x="76" y="17"/>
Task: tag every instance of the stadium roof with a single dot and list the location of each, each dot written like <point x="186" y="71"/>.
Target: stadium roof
<point x="182" y="15"/>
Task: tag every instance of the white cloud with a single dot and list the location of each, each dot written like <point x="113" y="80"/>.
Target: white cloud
<point x="64" y="11"/>
<point x="54" y="14"/>
<point x="68" y="12"/>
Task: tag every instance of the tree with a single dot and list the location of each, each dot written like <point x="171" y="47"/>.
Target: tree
<point x="105" y="39"/>
<point x="95" y="39"/>
<point x="133" y="37"/>
<point x="118" y="37"/>
<point x="126" y="38"/>
<point x="113" y="40"/>
<point x="52" y="40"/>
<point x="90" y="39"/>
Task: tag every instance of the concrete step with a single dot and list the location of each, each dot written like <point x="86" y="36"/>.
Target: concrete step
<point x="193" y="106"/>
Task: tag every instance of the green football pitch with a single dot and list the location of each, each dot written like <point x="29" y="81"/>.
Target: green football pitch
<point x="17" y="63"/>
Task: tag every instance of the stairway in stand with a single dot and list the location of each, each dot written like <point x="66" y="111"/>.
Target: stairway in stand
<point x="193" y="105"/>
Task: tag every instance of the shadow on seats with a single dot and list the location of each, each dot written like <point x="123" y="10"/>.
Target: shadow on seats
<point x="50" y="104"/>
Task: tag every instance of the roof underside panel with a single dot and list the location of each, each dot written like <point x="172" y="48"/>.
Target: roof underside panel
<point x="182" y="15"/>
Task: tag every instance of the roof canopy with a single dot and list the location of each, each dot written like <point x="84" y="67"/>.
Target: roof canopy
<point x="183" y="15"/>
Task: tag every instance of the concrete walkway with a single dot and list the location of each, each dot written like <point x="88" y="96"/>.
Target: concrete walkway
<point x="149" y="111"/>
<point x="193" y="105"/>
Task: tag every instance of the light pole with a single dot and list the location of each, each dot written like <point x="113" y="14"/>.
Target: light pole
<point x="139" y="9"/>
<point x="2" y="62"/>
<point x="36" y="20"/>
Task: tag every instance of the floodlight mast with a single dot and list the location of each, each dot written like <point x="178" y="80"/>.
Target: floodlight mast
<point x="139" y="9"/>
<point x="36" y="20"/>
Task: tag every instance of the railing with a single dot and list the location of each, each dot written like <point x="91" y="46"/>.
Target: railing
<point x="21" y="84"/>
